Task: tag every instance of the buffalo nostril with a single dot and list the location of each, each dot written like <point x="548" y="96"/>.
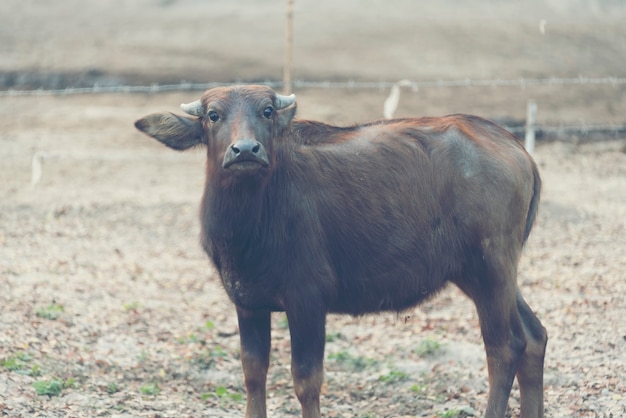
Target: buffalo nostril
<point x="245" y="147"/>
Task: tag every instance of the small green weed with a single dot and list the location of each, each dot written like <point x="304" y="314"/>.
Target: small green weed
<point x="208" y="358"/>
<point x="224" y="393"/>
<point x="333" y="337"/>
<point x="150" y="389"/>
<point x="350" y="362"/>
<point x="427" y="347"/>
<point x="419" y="389"/>
<point x="34" y="371"/>
<point x="112" y="388"/>
<point x="218" y="352"/>
<point x="16" y="362"/>
<point x="456" y="412"/>
<point x="52" y="311"/>
<point x="394" y="376"/>
<point x="224" y="396"/>
<point x="131" y="306"/>
<point x="53" y="387"/>
<point x="19" y="363"/>
<point x="191" y="339"/>
<point x="48" y="387"/>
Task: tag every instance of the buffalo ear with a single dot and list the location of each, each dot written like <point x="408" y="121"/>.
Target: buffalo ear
<point x="176" y="132"/>
<point x="286" y="115"/>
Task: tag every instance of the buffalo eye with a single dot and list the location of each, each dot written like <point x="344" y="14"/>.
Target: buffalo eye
<point x="213" y="116"/>
<point x="268" y="112"/>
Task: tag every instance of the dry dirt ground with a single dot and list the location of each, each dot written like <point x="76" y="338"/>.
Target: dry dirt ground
<point x="109" y="307"/>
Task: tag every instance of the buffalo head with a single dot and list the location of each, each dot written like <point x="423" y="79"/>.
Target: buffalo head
<point x="237" y="124"/>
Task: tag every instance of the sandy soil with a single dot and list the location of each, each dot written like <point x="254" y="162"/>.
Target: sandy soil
<point x="104" y="287"/>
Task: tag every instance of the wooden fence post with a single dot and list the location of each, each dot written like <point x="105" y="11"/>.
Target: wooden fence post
<point x="287" y="69"/>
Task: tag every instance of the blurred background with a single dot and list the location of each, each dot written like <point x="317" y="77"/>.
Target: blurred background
<point x="71" y="43"/>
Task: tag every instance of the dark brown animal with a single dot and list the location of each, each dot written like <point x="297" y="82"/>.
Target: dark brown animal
<point x="307" y="218"/>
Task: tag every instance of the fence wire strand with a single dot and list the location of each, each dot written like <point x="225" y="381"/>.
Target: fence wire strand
<point x="380" y="85"/>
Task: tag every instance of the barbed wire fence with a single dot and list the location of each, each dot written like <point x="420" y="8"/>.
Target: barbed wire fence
<point x="530" y="130"/>
<point x="390" y="104"/>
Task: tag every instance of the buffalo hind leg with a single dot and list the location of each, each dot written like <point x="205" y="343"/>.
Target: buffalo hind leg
<point x="494" y="295"/>
<point x="530" y="370"/>
<point x="255" y="337"/>
<point x="307" y="359"/>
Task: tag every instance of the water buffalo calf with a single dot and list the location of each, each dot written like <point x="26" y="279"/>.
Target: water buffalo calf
<point x="307" y="218"/>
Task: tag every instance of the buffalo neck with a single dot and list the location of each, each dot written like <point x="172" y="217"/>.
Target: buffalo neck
<point x="232" y="209"/>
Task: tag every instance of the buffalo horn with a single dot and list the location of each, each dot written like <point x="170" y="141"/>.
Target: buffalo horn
<point x="193" y="108"/>
<point x="284" y="101"/>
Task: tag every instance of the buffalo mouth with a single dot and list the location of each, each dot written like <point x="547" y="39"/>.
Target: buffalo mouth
<point x="245" y="164"/>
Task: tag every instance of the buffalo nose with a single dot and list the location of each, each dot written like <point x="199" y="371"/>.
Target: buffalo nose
<point x="245" y="154"/>
<point x="245" y="146"/>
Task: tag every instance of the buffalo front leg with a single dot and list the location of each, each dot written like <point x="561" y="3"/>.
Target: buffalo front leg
<point x="308" y="336"/>
<point x="255" y="337"/>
